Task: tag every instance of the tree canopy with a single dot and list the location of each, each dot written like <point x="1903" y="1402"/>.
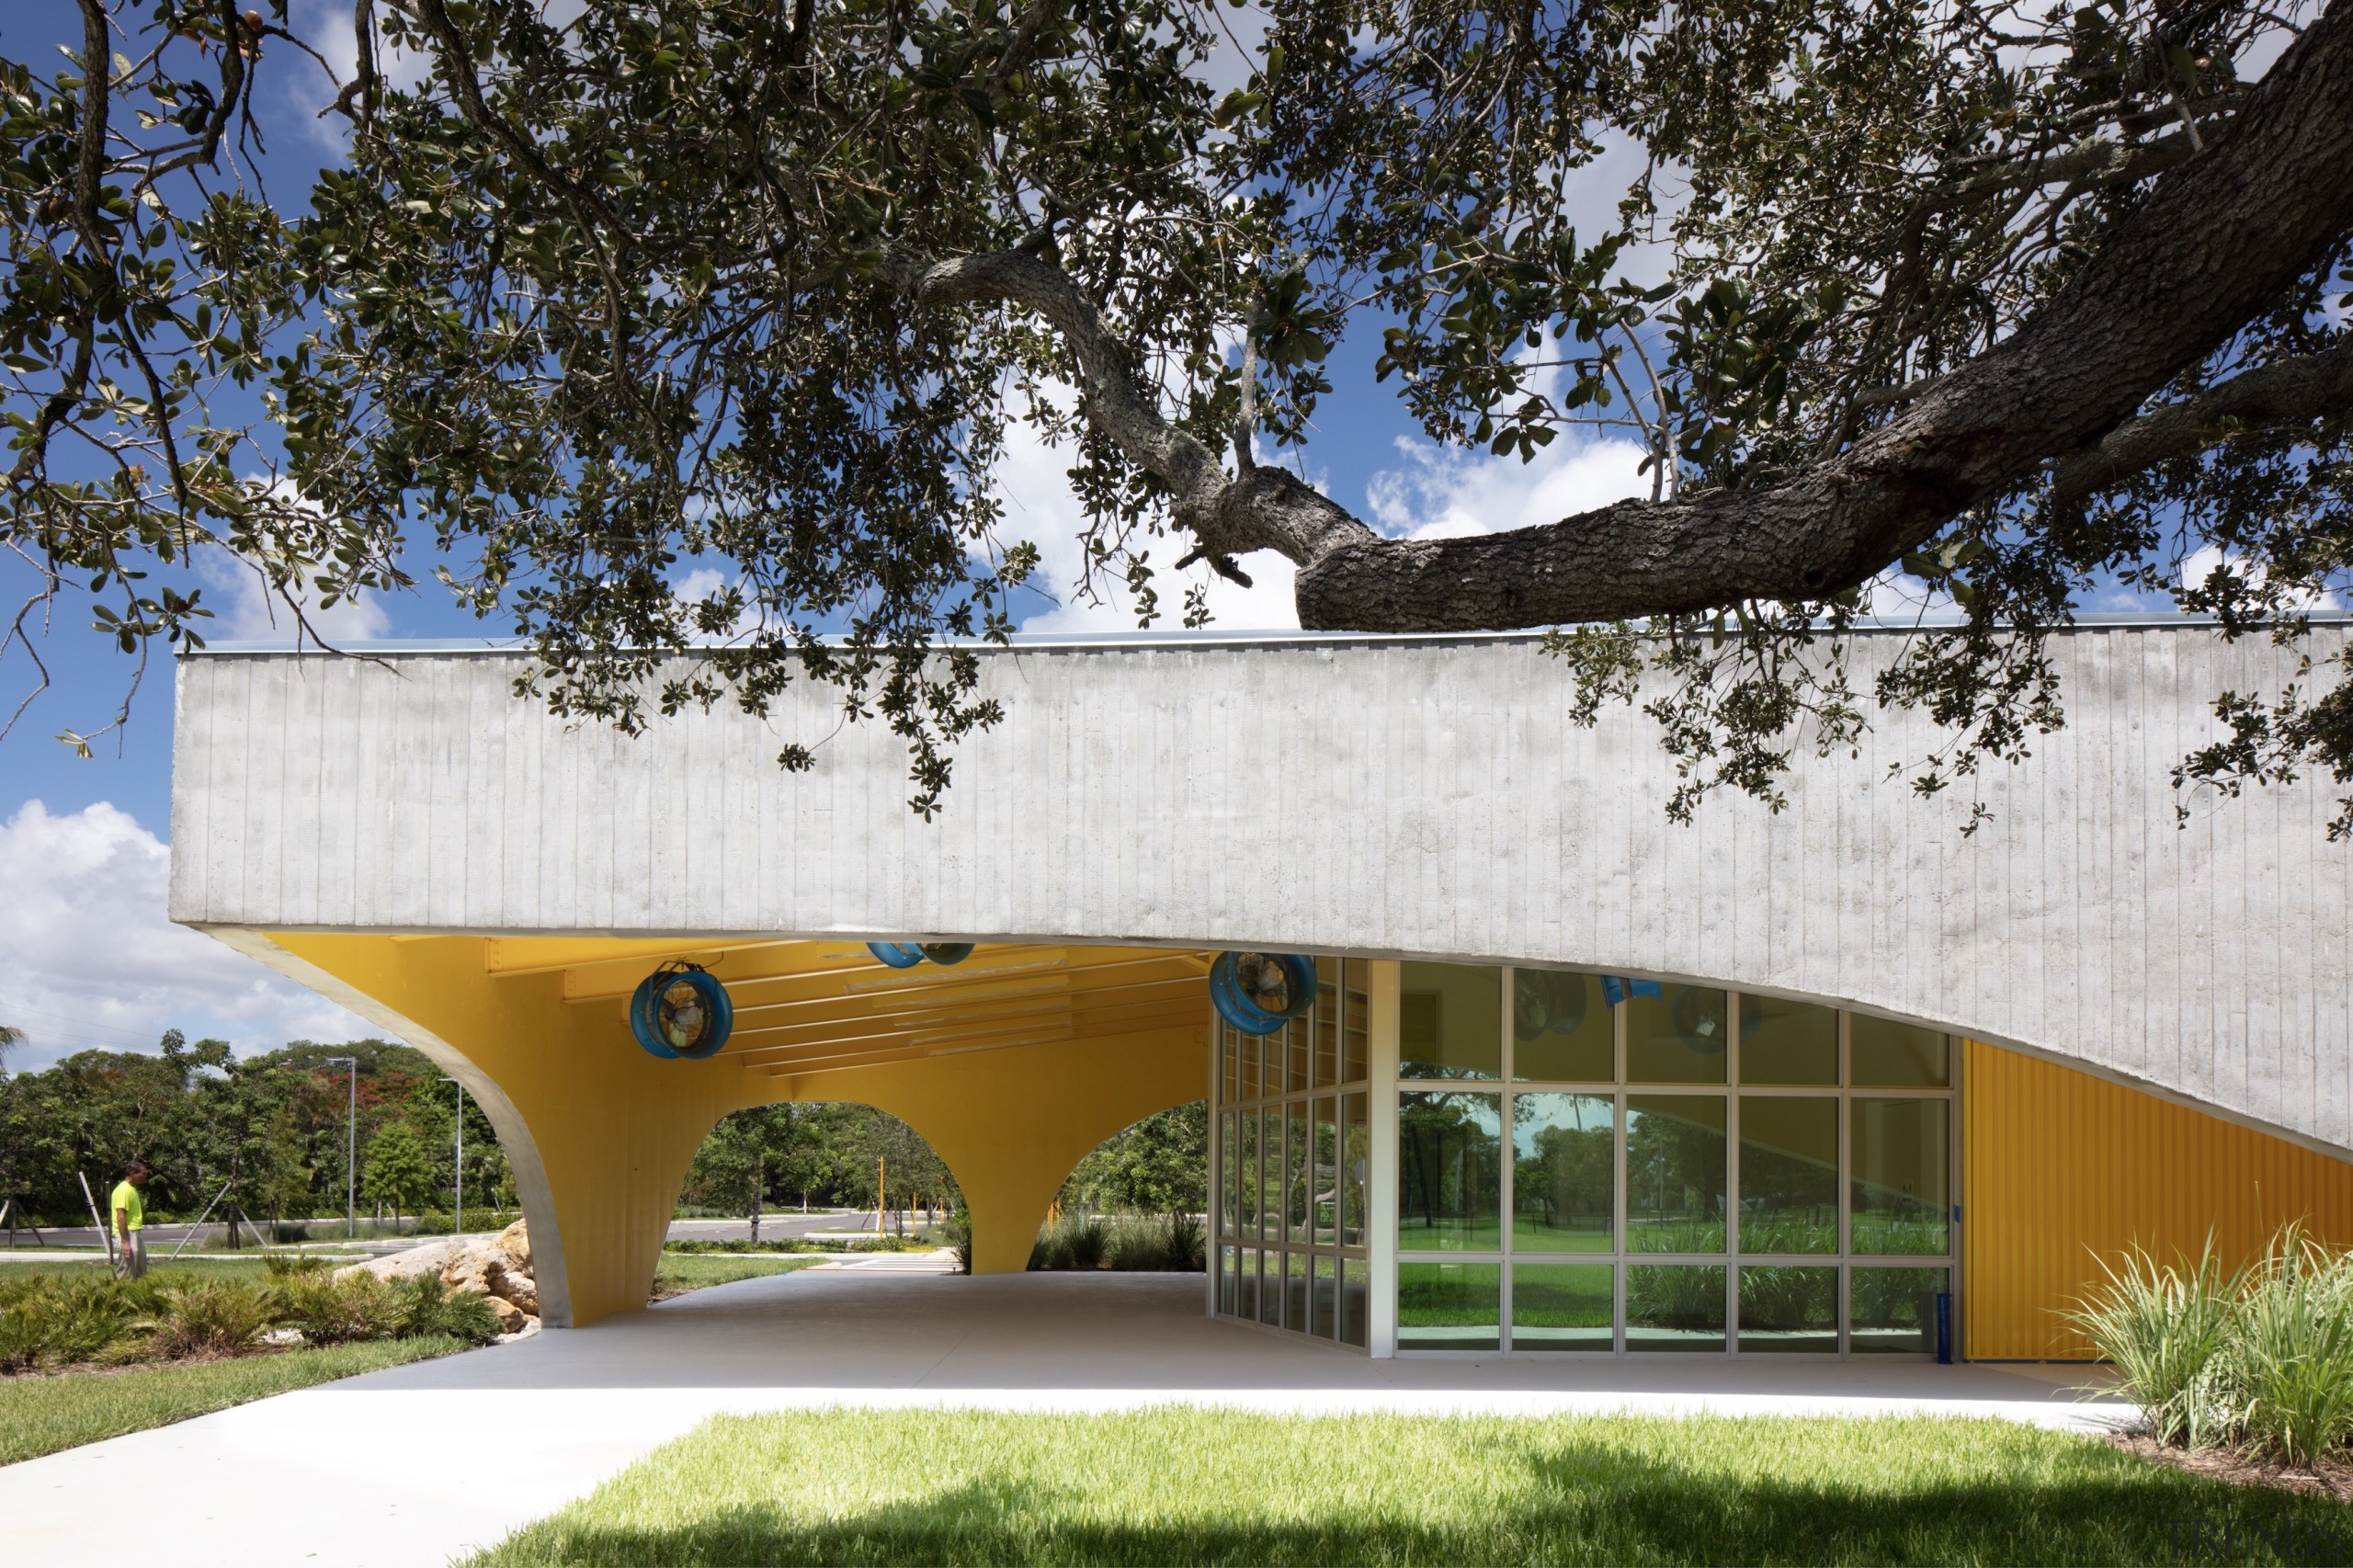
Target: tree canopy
<point x="2019" y="303"/>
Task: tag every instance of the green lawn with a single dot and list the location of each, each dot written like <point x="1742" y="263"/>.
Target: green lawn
<point x="680" y="1272"/>
<point x="41" y="1414"/>
<point x="1188" y="1485"/>
<point x="249" y="1266"/>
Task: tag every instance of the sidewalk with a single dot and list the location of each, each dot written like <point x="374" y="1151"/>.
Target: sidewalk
<point x="424" y="1463"/>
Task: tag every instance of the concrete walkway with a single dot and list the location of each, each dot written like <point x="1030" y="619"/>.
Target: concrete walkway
<point x="424" y="1463"/>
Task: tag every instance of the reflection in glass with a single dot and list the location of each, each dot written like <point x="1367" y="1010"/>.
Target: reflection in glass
<point x="1327" y="1022"/>
<point x="1450" y="1021"/>
<point x="1324" y="1301"/>
<point x="1788" y="1042"/>
<point x="1788" y="1309"/>
<point x="1789" y="1174"/>
<point x="1270" y="1288"/>
<point x="1901" y="1159"/>
<point x="1354" y="1309"/>
<point x="1225" y="1269"/>
<point x="1883" y="1054"/>
<point x="1229" y="1176"/>
<point x="1245" y="1285"/>
<point x="1450" y="1306"/>
<point x="1673" y="1306"/>
<point x="1324" y="1190"/>
<point x="1356" y="1167"/>
<point x="1562" y="1306"/>
<point x="1295" y="1283"/>
<point x="1560" y="1029"/>
<point x="1448" y="1196"/>
<point x="1893" y="1309"/>
<point x="1563" y="1171"/>
<point x="1355" y="1019"/>
<point x="1270" y="1176"/>
<point x="1678" y="1037"/>
<point x="1246" y="1197"/>
<point x="1675" y="1173"/>
<point x="1298" y="1193"/>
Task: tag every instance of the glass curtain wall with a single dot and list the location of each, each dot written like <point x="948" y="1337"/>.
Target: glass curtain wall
<point x="1292" y="1159"/>
<point x="1696" y="1171"/>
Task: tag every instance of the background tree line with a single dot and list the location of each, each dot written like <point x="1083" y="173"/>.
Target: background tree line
<point x="276" y="1127"/>
<point x="273" y="1126"/>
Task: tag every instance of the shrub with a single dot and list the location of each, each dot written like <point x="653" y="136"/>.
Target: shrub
<point x="208" y="1317"/>
<point x="48" y="1320"/>
<point x="431" y="1307"/>
<point x="340" y="1312"/>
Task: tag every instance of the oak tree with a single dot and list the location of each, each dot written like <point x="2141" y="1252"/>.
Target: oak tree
<point x="2017" y="303"/>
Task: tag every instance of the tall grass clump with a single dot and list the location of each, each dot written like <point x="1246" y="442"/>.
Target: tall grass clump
<point x="1141" y="1243"/>
<point x="2294" y="1344"/>
<point x="2166" y="1330"/>
<point x="2259" y="1358"/>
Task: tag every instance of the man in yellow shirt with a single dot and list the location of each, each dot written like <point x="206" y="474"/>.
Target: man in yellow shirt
<point x="131" y="1220"/>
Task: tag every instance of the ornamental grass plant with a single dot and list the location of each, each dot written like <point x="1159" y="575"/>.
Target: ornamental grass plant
<point x="2258" y="1359"/>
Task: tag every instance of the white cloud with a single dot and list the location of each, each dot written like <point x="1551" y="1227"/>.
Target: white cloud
<point x="1447" y="492"/>
<point x="2199" y="564"/>
<point x="1035" y="482"/>
<point x="244" y="608"/>
<point x="93" y="960"/>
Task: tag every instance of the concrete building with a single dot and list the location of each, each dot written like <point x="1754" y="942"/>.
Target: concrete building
<point x="1574" y="1080"/>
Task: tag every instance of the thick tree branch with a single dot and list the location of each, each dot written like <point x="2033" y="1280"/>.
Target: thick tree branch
<point x="2292" y="392"/>
<point x="1265" y="508"/>
<point x="2219" y="240"/>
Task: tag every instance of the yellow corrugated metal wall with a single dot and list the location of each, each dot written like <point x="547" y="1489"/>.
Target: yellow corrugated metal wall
<point x="2058" y="1167"/>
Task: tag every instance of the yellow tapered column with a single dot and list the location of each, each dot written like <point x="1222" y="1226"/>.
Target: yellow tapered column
<point x="599" y="1134"/>
<point x="1012" y="1124"/>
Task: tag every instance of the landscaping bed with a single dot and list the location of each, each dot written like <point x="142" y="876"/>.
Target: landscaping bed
<point x="1184" y="1484"/>
<point x="42" y="1413"/>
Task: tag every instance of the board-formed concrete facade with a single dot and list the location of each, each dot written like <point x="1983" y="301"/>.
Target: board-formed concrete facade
<point x="1382" y="797"/>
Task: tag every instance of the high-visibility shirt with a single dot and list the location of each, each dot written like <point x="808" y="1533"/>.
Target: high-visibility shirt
<point x="126" y="1199"/>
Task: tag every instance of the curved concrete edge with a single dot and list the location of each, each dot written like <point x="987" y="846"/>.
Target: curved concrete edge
<point x="532" y="1184"/>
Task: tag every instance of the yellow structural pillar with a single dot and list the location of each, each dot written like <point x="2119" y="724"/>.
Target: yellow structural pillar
<point x="1011" y="1123"/>
<point x="599" y="1134"/>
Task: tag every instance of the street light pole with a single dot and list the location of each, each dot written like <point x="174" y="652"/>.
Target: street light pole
<point x="351" y="1150"/>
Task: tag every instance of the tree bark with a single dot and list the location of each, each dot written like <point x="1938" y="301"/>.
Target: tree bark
<point x="2220" y="239"/>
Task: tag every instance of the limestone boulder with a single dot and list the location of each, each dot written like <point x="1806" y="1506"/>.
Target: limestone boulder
<point x="471" y="1272"/>
<point x="499" y="1266"/>
<point x="510" y="1316"/>
<point x="431" y="1257"/>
